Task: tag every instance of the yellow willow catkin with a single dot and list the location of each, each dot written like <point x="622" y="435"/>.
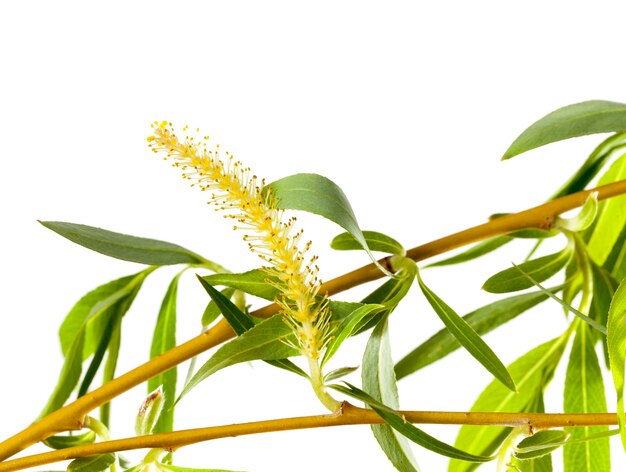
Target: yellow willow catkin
<point x="239" y="193"/>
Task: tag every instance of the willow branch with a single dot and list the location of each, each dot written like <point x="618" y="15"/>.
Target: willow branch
<point x="71" y="416"/>
<point x="348" y="415"/>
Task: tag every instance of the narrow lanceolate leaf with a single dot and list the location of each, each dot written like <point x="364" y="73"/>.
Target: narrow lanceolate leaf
<point x="92" y="463"/>
<point x="528" y="372"/>
<point x="592" y="165"/>
<point x="111" y="362"/>
<point x="474" y="252"/>
<point x="584" y="393"/>
<point x="125" y="247"/>
<point x="482" y="320"/>
<point x="97" y="358"/>
<point x="95" y="310"/>
<point x="580" y="119"/>
<point x="380" y="382"/>
<point x="255" y="282"/>
<point x="338" y="373"/>
<point x="389" y="294"/>
<point x="265" y="341"/>
<point x="69" y="376"/>
<point x="242" y="322"/>
<point x="63" y="442"/>
<point x="212" y="311"/>
<point x="87" y="305"/>
<point x="467" y="337"/>
<point x="164" y="339"/>
<point x="540" y="269"/>
<point x="314" y="193"/>
<point x="394" y="419"/>
<point x="590" y="321"/>
<point x="540" y="444"/>
<point x="239" y="321"/>
<point x="348" y="328"/>
<point x="604" y="287"/>
<point x="611" y="216"/>
<point x="616" y="341"/>
<point x="615" y="263"/>
<point x="375" y="241"/>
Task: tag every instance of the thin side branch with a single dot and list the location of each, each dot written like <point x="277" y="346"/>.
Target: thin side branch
<point x="348" y="415"/>
<point x="71" y="416"/>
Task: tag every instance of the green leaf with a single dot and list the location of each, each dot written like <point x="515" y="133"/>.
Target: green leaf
<point x="97" y="358"/>
<point x="616" y="261"/>
<point x="540" y="269"/>
<point x="92" y="463"/>
<point x="528" y="372"/>
<point x="164" y="339"/>
<point x="604" y="287"/>
<point x="611" y="216"/>
<point x="255" y="282"/>
<point x="482" y="320"/>
<point x="241" y="322"/>
<point x="540" y="444"/>
<point x="265" y="341"/>
<point x="88" y="304"/>
<point x="69" y="376"/>
<point x="380" y="382"/>
<point x="125" y="247"/>
<point x="474" y="252"/>
<point x="338" y="373"/>
<point x="550" y="446"/>
<point x="63" y="442"/>
<point x="467" y="337"/>
<point x="594" y="163"/>
<point x="348" y="328"/>
<point x="389" y="294"/>
<point x="111" y="362"/>
<point x="95" y="308"/>
<point x="316" y="194"/>
<point x="564" y="304"/>
<point x="375" y="241"/>
<point x="238" y="320"/>
<point x="580" y="119"/>
<point x="584" y="393"/>
<point x="397" y="422"/>
<point x="341" y="311"/>
<point x="616" y="341"/>
<point x="212" y="311"/>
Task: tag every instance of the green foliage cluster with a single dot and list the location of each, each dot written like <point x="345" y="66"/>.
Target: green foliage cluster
<point x="591" y="266"/>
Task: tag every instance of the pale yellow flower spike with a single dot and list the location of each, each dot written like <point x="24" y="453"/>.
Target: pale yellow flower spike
<point x="239" y="193"/>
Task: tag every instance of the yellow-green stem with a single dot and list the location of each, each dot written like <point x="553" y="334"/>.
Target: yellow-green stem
<point x="347" y="415"/>
<point x="317" y="381"/>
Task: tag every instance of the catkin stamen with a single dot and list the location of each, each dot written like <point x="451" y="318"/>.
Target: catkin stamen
<point x="238" y="193"/>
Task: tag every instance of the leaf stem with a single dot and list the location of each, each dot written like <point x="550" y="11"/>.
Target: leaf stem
<point x="347" y="415"/>
<point x="71" y="417"/>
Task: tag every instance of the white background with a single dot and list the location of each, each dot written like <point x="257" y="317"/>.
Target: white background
<point x="407" y="106"/>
